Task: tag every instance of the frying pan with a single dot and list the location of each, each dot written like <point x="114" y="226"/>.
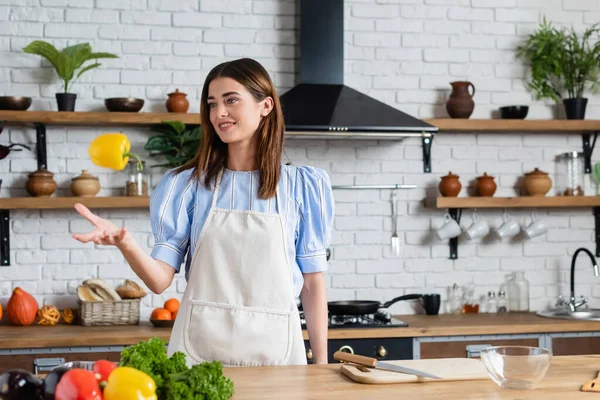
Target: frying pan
<point x="360" y="307"/>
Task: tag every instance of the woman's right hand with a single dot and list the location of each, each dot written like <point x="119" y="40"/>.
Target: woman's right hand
<point x="105" y="232"/>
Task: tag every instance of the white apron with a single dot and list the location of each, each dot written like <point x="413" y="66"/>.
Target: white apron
<point x="239" y="304"/>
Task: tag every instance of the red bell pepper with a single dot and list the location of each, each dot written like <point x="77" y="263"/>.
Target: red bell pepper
<point x="102" y="369"/>
<point x="78" y="384"/>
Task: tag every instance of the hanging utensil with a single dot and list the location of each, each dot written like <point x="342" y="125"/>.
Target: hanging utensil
<point x="5" y="150"/>
<point x="374" y="363"/>
<point x="395" y="240"/>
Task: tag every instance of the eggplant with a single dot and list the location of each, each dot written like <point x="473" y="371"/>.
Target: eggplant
<point x="50" y="382"/>
<point x="18" y="384"/>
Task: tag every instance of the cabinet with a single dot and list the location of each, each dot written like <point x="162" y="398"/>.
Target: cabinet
<point x="574" y="346"/>
<point x="27" y="361"/>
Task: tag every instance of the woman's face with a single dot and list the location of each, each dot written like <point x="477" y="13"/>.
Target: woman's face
<point x="234" y="112"/>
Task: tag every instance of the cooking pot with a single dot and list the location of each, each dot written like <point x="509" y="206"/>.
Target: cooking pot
<point x="361" y="307"/>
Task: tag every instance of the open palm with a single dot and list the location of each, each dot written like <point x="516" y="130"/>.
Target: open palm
<point x="105" y="232"/>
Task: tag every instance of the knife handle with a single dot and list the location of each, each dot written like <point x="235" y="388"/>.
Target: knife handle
<point x="354" y="358"/>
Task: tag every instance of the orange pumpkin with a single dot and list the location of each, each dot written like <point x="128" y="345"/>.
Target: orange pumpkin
<point x="22" y="308"/>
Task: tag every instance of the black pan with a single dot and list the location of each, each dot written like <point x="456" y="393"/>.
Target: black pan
<point x="359" y="307"/>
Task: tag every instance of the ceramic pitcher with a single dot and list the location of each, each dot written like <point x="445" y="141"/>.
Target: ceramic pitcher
<point x="460" y="104"/>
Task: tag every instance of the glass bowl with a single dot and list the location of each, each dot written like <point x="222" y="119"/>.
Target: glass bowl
<point x="516" y="367"/>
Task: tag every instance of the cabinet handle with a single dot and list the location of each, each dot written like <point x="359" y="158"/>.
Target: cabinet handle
<point x="474" y="350"/>
<point x="350" y="349"/>
<point x="382" y="352"/>
<point x="46" y="364"/>
<point x="309" y="354"/>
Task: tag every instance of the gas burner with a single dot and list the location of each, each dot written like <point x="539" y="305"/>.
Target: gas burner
<point x="381" y="319"/>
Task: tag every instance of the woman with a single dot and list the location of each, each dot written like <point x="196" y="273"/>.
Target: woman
<point x="254" y="231"/>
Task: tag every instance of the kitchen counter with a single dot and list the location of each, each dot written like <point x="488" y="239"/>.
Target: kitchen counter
<point x="36" y="336"/>
<point x="563" y="381"/>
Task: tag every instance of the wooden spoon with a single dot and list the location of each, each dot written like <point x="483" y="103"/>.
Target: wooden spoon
<point x="593" y="385"/>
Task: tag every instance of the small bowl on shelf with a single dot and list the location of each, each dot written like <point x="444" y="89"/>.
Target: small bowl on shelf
<point x="516" y="367"/>
<point x="15" y="103"/>
<point x="124" y="104"/>
<point x="514" y="112"/>
<point x="162" y="323"/>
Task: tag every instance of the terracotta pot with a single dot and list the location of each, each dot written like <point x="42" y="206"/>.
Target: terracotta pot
<point x="537" y="183"/>
<point x="460" y="103"/>
<point x="486" y="186"/>
<point x="40" y="183"/>
<point x="450" y="185"/>
<point x="85" y="185"/>
<point x="177" y="102"/>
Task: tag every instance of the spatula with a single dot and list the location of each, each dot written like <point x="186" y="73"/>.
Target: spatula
<point x="593" y="385"/>
<point x="375" y="363"/>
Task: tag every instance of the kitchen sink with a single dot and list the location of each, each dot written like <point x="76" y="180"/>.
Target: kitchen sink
<point x="586" y="315"/>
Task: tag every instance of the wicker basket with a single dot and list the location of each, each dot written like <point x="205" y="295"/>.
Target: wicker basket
<point x="110" y="312"/>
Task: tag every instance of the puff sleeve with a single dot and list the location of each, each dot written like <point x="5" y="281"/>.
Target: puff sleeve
<point x="171" y="209"/>
<point x="315" y="218"/>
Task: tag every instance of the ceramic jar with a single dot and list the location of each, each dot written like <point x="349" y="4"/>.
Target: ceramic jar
<point x="450" y="186"/>
<point x="85" y="185"/>
<point x="537" y="183"/>
<point x="486" y="187"/>
<point x="177" y="102"/>
<point x="460" y="104"/>
<point x="40" y="183"/>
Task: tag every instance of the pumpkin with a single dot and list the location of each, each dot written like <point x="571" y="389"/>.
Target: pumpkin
<point x="68" y="315"/>
<point x="22" y="308"/>
<point x="48" y="315"/>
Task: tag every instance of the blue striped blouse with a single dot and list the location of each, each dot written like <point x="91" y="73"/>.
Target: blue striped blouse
<point x="179" y="207"/>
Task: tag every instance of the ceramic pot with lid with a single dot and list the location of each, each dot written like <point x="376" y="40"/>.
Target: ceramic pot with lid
<point x="450" y="186"/>
<point x="40" y="183"/>
<point x="85" y="185"/>
<point x="177" y="102"/>
<point x="486" y="187"/>
<point x="537" y="183"/>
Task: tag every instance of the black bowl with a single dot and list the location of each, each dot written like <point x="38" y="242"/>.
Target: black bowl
<point x="15" y="103"/>
<point x="514" y="112"/>
<point x="162" y="323"/>
<point x="124" y="104"/>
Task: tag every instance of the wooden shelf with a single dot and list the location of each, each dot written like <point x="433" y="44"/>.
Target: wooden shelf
<point x="31" y="203"/>
<point x="518" y="202"/>
<point x="515" y="125"/>
<point x="95" y="118"/>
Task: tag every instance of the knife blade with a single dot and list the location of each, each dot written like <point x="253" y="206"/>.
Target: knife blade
<point x="375" y="363"/>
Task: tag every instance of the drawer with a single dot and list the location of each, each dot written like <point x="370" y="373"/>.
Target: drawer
<point x="27" y="361"/>
<point x="575" y="346"/>
<point x="458" y="349"/>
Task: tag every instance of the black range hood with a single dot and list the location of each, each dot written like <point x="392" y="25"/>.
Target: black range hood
<point x="321" y="106"/>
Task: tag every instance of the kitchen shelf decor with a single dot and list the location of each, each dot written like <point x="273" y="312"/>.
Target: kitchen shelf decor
<point x="455" y="206"/>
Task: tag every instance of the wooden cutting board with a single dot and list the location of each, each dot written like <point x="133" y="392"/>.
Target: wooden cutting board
<point x="449" y="369"/>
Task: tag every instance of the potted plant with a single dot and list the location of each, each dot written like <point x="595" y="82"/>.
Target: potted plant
<point x="66" y="63"/>
<point x="176" y="142"/>
<point x="563" y="65"/>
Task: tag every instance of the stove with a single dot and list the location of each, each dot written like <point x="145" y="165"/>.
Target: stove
<point x="381" y="319"/>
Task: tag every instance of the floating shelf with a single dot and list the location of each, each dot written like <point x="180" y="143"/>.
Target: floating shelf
<point x="518" y="202"/>
<point x="515" y="125"/>
<point x="64" y="118"/>
<point x="49" y="203"/>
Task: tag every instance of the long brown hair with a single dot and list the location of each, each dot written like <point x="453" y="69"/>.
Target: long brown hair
<point x="211" y="156"/>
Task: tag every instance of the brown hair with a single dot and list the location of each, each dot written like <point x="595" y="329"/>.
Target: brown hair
<point x="211" y="156"/>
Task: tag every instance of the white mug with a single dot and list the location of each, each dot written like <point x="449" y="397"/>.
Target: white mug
<point x="537" y="227"/>
<point x="509" y="228"/>
<point x="449" y="230"/>
<point x="478" y="229"/>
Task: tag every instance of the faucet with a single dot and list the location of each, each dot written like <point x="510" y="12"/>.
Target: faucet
<point x="573" y="306"/>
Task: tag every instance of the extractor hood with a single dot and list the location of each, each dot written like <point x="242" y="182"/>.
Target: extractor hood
<point x="321" y="106"/>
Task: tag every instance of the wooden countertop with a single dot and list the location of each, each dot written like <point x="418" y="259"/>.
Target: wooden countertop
<point x="563" y="381"/>
<point x="36" y="336"/>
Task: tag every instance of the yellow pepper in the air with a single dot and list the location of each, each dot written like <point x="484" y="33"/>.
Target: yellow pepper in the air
<point x="126" y="383"/>
<point x="111" y="150"/>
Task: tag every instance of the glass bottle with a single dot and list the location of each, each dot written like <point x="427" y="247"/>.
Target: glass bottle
<point x="512" y="291"/>
<point x="491" y="303"/>
<point x="137" y="182"/>
<point x="470" y="306"/>
<point x="501" y="302"/>
<point x="570" y="174"/>
<point x="523" y="287"/>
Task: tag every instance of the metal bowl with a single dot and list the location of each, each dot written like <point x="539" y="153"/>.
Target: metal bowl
<point x="124" y="104"/>
<point x="15" y="103"/>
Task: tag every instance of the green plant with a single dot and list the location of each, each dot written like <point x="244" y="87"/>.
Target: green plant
<point x="561" y="61"/>
<point x="176" y="142"/>
<point x="69" y="60"/>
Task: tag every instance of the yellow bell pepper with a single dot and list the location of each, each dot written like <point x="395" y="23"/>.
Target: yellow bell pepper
<point x="126" y="383"/>
<point x="111" y="150"/>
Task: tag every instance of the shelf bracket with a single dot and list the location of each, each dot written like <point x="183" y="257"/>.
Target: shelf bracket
<point x="427" y="141"/>
<point x="455" y="213"/>
<point x="40" y="133"/>
<point x="588" y="149"/>
<point x="597" y="227"/>
<point x="4" y="239"/>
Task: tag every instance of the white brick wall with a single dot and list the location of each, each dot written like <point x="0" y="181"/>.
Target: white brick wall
<point x="403" y="52"/>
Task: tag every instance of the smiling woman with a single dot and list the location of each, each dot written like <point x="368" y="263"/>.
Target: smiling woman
<point x="253" y="232"/>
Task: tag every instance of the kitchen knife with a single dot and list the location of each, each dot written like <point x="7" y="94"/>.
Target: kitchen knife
<point x="375" y="363"/>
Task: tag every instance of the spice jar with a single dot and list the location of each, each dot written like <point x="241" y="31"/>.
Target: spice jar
<point x="571" y="173"/>
<point x="137" y="182"/>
